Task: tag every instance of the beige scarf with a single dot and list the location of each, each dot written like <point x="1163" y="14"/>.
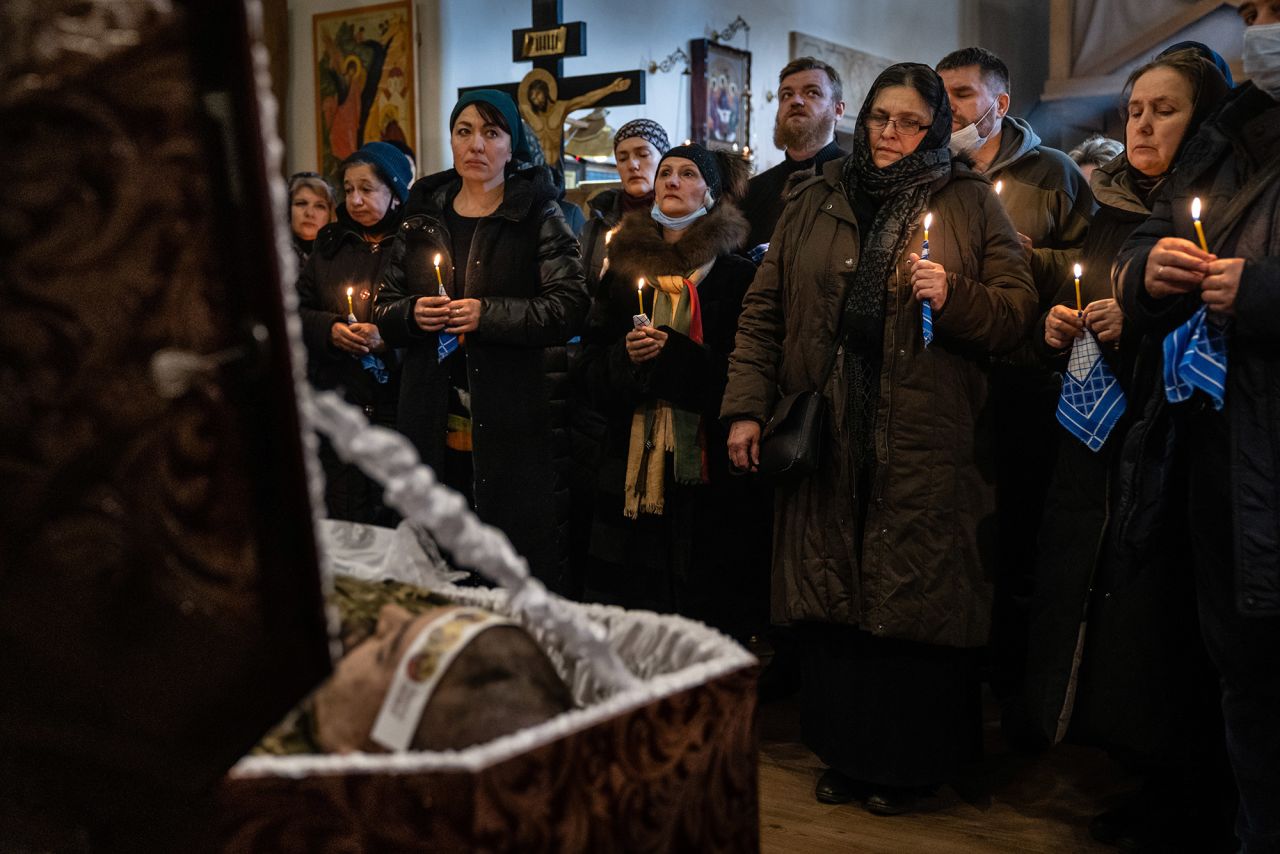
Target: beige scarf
<point x="657" y="428"/>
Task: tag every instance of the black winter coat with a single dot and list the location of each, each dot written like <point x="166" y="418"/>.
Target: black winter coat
<point x="1224" y="161"/>
<point x="1121" y="688"/>
<point x="525" y="269"/>
<point x="701" y="557"/>
<point x="342" y="258"/>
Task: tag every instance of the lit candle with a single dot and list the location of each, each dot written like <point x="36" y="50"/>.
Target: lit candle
<point x="999" y="187"/>
<point x="688" y="142"/>
<point x="746" y="151"/>
<point x="351" y="311"/>
<point x="440" y="281"/>
<point x="640" y="293"/>
<point x="608" y="236"/>
<point x="1079" y="304"/>
<point x="924" y="249"/>
<point x="1195" y="218"/>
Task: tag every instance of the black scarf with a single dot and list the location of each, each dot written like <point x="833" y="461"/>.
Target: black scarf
<point x="898" y="194"/>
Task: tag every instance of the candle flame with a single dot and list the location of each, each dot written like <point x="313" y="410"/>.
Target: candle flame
<point x="1078" y="271"/>
<point x="350" y="291"/>
<point x="688" y="142"/>
<point x="608" y="235"/>
<point x="437" y="261"/>
<point x="640" y="283"/>
<point x="928" y="221"/>
<point x="746" y="149"/>
<point x="999" y="187"/>
<point x="1195" y="208"/>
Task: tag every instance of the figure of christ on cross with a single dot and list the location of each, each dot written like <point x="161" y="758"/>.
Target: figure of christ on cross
<point x="546" y="113"/>
<point x="545" y="96"/>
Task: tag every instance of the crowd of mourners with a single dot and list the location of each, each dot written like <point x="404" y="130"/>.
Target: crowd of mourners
<point x="1049" y="389"/>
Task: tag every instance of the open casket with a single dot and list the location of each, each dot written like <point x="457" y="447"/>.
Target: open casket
<point x="667" y="766"/>
<point x="160" y="594"/>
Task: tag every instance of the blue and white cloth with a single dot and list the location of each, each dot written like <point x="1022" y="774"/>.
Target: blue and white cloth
<point x="445" y="344"/>
<point x="1195" y="357"/>
<point x="757" y="253"/>
<point x="1092" y="400"/>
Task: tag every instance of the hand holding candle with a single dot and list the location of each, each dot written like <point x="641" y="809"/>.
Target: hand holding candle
<point x="926" y="307"/>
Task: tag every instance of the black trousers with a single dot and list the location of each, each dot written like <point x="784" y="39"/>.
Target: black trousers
<point x="1244" y="650"/>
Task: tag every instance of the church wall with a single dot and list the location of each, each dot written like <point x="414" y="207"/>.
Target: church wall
<point x="468" y="42"/>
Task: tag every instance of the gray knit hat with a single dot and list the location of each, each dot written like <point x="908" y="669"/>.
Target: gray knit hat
<point x="648" y="129"/>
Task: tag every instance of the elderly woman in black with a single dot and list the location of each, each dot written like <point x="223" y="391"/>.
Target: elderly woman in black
<point x="881" y="556"/>
<point x="491" y="283"/>
<point x="672" y="529"/>
<point x="1134" y="677"/>
<point x="335" y="294"/>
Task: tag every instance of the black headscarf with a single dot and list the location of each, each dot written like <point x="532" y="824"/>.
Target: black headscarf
<point x="1207" y="94"/>
<point x="893" y="200"/>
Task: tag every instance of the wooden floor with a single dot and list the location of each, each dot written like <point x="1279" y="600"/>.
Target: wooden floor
<point x="1010" y="803"/>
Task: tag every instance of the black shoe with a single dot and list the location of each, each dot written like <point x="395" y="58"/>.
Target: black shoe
<point x="889" y="800"/>
<point x="836" y="788"/>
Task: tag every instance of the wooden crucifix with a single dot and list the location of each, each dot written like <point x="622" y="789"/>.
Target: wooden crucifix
<point x="545" y="96"/>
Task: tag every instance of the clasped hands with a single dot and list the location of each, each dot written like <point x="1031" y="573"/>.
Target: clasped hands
<point x="1065" y="324"/>
<point x="1178" y="266"/>
<point x="356" y="338"/>
<point x="644" y="343"/>
<point x="442" y="314"/>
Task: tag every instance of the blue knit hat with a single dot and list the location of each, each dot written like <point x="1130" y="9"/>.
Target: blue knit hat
<point x="501" y="102"/>
<point x="390" y="164"/>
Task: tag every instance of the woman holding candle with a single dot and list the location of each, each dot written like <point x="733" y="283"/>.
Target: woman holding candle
<point x="880" y="556"/>
<point x="483" y="415"/>
<point x="637" y="147"/>
<point x="1141" y="684"/>
<point x="335" y="295"/>
<point x="672" y="530"/>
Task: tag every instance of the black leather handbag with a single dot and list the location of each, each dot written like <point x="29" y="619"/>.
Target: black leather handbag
<point x="791" y="445"/>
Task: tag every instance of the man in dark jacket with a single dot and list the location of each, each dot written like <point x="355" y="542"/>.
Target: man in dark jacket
<point x="1049" y="201"/>
<point x="810" y="102"/>
<point x="1232" y="453"/>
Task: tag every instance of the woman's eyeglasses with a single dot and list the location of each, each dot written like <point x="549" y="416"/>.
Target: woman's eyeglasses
<point x="906" y="126"/>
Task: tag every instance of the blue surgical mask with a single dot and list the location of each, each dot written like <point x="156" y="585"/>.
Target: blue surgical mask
<point x="1261" y="57"/>
<point x="676" y="223"/>
<point x="967" y="140"/>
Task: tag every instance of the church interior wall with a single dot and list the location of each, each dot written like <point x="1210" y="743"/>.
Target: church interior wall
<point x="468" y="43"/>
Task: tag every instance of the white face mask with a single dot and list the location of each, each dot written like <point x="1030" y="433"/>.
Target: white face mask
<point x="968" y="140"/>
<point x="1262" y="57"/>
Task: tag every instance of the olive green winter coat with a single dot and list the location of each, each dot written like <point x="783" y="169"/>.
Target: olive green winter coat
<point x="921" y="571"/>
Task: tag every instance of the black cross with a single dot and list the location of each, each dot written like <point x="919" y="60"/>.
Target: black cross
<point x="546" y="44"/>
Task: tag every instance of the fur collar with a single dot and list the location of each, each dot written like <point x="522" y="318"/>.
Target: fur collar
<point x="637" y="249"/>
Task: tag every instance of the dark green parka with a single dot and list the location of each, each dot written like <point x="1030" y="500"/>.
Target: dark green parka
<point x="920" y="572"/>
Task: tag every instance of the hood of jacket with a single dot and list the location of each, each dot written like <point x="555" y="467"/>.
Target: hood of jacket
<point x="1017" y="140"/>
<point x="639" y="250"/>
<point x="1112" y="186"/>
<point x="525" y="189"/>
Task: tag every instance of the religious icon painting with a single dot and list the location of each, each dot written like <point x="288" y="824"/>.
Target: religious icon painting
<point x="721" y="95"/>
<point x="366" y="76"/>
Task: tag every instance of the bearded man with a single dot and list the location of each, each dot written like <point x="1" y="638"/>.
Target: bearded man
<point x="810" y="102"/>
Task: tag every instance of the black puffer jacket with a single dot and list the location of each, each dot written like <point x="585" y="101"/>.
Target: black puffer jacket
<point x="525" y="268"/>
<point x="1225" y="161"/>
<point x="342" y="258"/>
